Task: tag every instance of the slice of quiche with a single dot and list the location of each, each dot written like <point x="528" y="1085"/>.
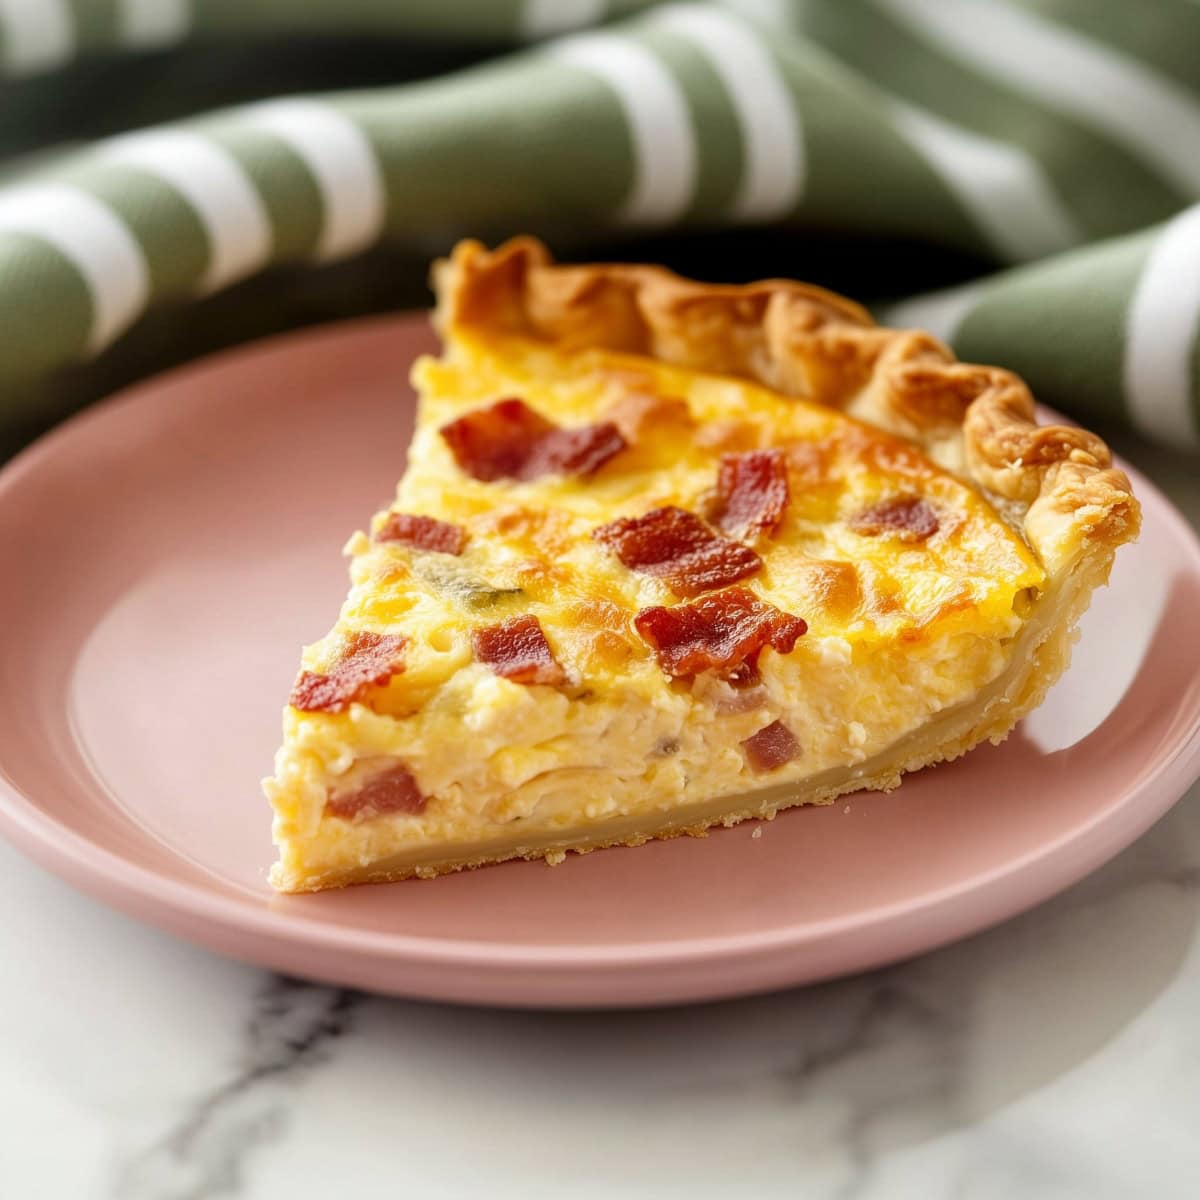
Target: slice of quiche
<point x="668" y="555"/>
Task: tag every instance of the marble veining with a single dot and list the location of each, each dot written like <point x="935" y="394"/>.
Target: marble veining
<point x="291" y="1031"/>
<point x="1055" y="1057"/>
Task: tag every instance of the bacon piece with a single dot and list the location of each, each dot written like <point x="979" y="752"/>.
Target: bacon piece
<point x="391" y="791"/>
<point x="674" y="545"/>
<point x="910" y="518"/>
<point x="508" y="440"/>
<point x="368" y="659"/>
<point x="425" y="533"/>
<point x="752" y="492"/>
<point x="771" y="747"/>
<point x="517" y="649"/>
<point x="720" y="631"/>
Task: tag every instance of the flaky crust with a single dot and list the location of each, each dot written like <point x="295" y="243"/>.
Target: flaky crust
<point x="1056" y="482"/>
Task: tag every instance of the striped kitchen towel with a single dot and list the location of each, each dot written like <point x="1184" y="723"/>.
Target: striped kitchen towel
<point x="1054" y="145"/>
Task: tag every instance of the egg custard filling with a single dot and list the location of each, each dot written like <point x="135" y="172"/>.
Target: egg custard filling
<point x="668" y="555"/>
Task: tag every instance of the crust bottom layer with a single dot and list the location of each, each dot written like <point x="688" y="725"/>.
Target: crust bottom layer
<point x="1041" y="653"/>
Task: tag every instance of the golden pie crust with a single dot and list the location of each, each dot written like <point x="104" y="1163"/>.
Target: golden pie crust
<point x="1058" y="481"/>
<point x="1059" y="500"/>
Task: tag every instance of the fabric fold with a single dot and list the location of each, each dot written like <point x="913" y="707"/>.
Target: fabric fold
<point x="897" y="118"/>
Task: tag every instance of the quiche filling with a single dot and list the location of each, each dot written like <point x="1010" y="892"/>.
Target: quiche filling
<point x="620" y="597"/>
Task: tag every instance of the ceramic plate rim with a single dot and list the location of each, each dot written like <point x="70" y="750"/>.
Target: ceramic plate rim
<point x="101" y="872"/>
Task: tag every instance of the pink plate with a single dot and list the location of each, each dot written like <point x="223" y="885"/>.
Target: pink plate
<point x="166" y="554"/>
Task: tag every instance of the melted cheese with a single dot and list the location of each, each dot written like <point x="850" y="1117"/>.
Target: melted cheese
<point x="898" y="631"/>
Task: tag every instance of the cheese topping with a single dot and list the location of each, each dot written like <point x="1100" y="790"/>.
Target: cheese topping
<point x="911" y="586"/>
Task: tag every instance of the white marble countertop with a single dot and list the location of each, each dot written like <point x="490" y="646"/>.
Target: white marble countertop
<point x="1057" y="1056"/>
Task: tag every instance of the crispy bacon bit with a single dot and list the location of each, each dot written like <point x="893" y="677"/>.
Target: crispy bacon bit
<point x="508" y="440"/>
<point x="909" y="518"/>
<point x="752" y="492"/>
<point x="721" y="631"/>
<point x="771" y="747"/>
<point x="674" y="545"/>
<point x="425" y="533"/>
<point x="367" y="660"/>
<point x="391" y="791"/>
<point x="517" y="649"/>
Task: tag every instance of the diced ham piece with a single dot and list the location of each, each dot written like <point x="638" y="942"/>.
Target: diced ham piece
<point x="391" y="791"/>
<point x="424" y="533"/>
<point x="509" y="440"/>
<point x="752" y="492"/>
<point x="517" y="649"/>
<point x="717" y="632"/>
<point x="771" y="747"/>
<point x="367" y="660"/>
<point x="677" y="547"/>
<point x="910" y="518"/>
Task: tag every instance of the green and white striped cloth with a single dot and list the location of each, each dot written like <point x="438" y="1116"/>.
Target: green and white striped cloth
<point x="1053" y="144"/>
